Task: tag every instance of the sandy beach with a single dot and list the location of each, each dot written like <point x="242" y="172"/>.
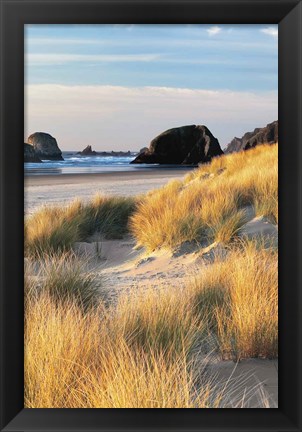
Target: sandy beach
<point x="52" y="189"/>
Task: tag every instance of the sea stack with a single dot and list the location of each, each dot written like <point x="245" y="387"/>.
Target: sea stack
<point x="185" y="145"/>
<point x="45" y="146"/>
<point x="265" y="135"/>
<point x="30" y="154"/>
<point x="87" y="151"/>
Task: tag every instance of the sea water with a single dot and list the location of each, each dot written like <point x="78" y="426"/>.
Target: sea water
<point x="76" y="164"/>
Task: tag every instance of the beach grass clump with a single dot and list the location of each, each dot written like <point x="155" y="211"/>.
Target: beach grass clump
<point x="64" y="278"/>
<point x="158" y="321"/>
<point x="163" y="218"/>
<point x="142" y="351"/>
<point x="88" y="360"/>
<point x="108" y="216"/>
<point x="239" y="297"/>
<point x="212" y="202"/>
<point x="71" y="361"/>
<point x="50" y="230"/>
<point x="265" y="194"/>
<point x="55" y="229"/>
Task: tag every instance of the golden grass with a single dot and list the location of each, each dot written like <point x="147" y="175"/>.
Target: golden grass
<point x="158" y="321"/>
<point x="72" y="361"/>
<point x="211" y="201"/>
<point x="56" y="229"/>
<point x="142" y="351"/>
<point x="209" y="204"/>
<point x="64" y="278"/>
<point x="239" y="295"/>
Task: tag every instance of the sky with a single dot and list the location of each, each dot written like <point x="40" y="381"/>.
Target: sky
<point x="115" y="87"/>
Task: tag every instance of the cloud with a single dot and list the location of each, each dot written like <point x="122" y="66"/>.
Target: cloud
<point x="57" y="59"/>
<point x="212" y="31"/>
<point x="150" y="43"/>
<point x="62" y="59"/>
<point x="124" y="118"/>
<point x="271" y="31"/>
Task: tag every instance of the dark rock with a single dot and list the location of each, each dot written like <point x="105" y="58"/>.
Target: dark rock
<point x="87" y="151"/>
<point x="45" y="146"/>
<point x="265" y="135"/>
<point x="188" y="145"/>
<point x="30" y="154"/>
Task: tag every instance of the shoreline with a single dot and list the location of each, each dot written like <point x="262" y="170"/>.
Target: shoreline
<point x="71" y="178"/>
<point x="62" y="189"/>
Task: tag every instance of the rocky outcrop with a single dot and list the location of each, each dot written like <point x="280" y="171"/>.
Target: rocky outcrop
<point x="265" y="135"/>
<point x="187" y="145"/>
<point x="87" y="151"/>
<point x="30" y="154"/>
<point x="45" y="146"/>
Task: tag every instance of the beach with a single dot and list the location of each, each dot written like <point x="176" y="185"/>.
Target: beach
<point x="149" y="263"/>
<point x="61" y="189"/>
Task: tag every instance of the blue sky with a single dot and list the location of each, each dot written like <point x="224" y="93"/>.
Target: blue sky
<point x="117" y="86"/>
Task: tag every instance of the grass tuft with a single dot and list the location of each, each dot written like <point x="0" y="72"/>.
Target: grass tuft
<point x="211" y="202"/>
<point x="239" y="297"/>
<point x="56" y="229"/>
<point x="63" y="278"/>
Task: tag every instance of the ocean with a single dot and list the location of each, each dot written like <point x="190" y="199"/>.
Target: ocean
<point x="75" y="164"/>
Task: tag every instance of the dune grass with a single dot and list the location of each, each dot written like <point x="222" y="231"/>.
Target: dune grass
<point x="72" y="361"/>
<point x="239" y="295"/>
<point x="158" y="321"/>
<point x="143" y="350"/>
<point x="63" y="278"/>
<point x="212" y="201"/>
<point x="109" y="357"/>
<point x="56" y="229"/>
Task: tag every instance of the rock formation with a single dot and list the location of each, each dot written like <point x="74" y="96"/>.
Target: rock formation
<point x="30" y="154"/>
<point x="187" y="145"/>
<point x="45" y="146"/>
<point x="267" y="134"/>
<point x="87" y="151"/>
<point x="117" y="153"/>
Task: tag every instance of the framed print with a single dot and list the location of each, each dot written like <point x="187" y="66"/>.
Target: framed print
<point x="151" y="225"/>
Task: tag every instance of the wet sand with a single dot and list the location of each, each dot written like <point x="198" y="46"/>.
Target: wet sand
<point x="61" y="189"/>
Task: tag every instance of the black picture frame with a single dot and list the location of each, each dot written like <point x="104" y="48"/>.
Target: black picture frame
<point x="16" y="13"/>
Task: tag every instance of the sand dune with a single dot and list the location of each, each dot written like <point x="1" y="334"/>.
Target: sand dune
<point x="125" y="268"/>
